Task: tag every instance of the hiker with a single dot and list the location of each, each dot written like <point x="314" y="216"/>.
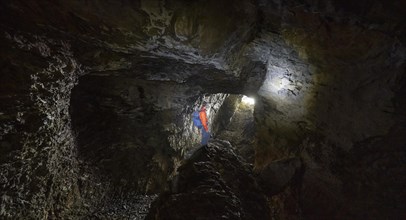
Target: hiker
<point x="205" y="130"/>
<point x="200" y="121"/>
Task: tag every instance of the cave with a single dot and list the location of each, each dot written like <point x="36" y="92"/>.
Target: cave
<point x="305" y="104"/>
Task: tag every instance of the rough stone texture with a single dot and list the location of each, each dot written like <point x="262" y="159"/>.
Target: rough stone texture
<point x="38" y="156"/>
<point x="127" y="206"/>
<point x="328" y="77"/>
<point x="339" y="95"/>
<point x="152" y="44"/>
<point x="151" y="124"/>
<point x="240" y="128"/>
<point x="214" y="183"/>
<point x="282" y="101"/>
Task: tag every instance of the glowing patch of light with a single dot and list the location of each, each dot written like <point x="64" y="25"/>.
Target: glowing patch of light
<point x="281" y="84"/>
<point x="247" y="100"/>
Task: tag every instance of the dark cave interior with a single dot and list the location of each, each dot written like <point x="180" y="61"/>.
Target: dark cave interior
<point x="96" y="100"/>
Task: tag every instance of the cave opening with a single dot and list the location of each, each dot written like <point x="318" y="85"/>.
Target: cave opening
<point x="134" y="137"/>
<point x="131" y="137"/>
<point x="248" y="101"/>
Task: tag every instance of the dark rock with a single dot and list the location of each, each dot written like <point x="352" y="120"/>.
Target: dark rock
<point x="240" y="129"/>
<point x="38" y="169"/>
<point x="278" y="175"/>
<point x="129" y="206"/>
<point x="214" y="183"/>
<point x="96" y="98"/>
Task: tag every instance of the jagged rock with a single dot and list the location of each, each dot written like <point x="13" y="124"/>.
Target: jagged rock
<point x="159" y="120"/>
<point x="328" y="77"/>
<point x="38" y="165"/>
<point x="213" y="184"/>
<point x="240" y="129"/>
<point x="129" y="206"/>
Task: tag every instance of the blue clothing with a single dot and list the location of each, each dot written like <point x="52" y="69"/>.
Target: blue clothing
<point x="196" y="120"/>
<point x="205" y="137"/>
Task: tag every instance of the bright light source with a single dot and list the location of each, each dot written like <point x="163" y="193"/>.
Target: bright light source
<point x="247" y="100"/>
<point x="282" y="84"/>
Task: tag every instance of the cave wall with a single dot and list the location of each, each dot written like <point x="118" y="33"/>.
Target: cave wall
<point x="332" y="96"/>
<point x="328" y="77"/>
<point x="38" y="166"/>
<point x="161" y="45"/>
<point x="137" y="131"/>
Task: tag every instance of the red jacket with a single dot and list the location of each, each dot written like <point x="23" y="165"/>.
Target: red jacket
<point x="203" y="118"/>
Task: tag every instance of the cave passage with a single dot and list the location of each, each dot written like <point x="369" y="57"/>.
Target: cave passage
<point x="121" y="127"/>
<point x="96" y="103"/>
<point x="248" y="101"/>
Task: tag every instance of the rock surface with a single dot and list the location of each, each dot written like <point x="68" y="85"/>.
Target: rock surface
<point x="214" y="183"/>
<point x="278" y="175"/>
<point x="96" y="98"/>
<point x="240" y="129"/>
<point x="151" y="126"/>
<point x="129" y="206"/>
<point x="38" y="166"/>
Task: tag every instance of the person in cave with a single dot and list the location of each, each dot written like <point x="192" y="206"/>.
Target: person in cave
<point x="200" y="121"/>
<point x="205" y="129"/>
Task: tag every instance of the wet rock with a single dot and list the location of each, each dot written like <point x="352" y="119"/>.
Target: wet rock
<point x="214" y="183"/>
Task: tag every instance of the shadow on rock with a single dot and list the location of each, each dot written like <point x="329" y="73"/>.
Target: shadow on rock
<point x="278" y="175"/>
<point x="214" y="183"/>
